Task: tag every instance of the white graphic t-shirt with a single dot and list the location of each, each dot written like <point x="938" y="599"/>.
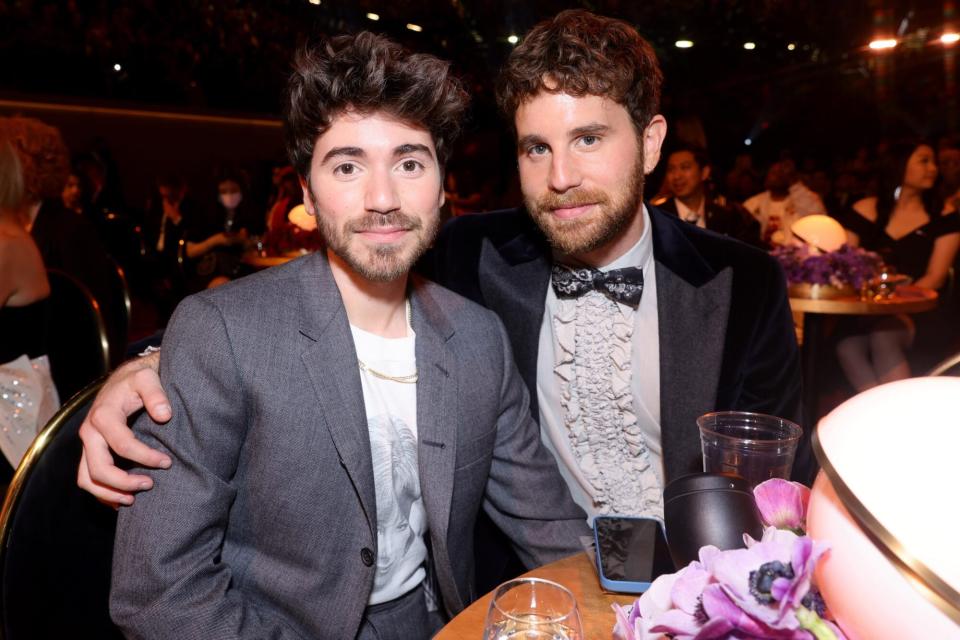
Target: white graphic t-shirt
<point x="392" y="424"/>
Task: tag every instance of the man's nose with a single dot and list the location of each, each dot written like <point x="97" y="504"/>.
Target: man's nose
<point x="381" y="195"/>
<point x="564" y="172"/>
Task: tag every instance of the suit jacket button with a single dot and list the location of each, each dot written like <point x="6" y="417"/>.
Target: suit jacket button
<point x="367" y="556"/>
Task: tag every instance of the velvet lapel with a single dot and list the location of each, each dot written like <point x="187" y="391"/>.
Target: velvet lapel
<point x="437" y="418"/>
<point x="693" y="306"/>
<point x="330" y="359"/>
<point x="513" y="280"/>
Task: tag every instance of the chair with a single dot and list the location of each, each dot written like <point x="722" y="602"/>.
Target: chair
<point x="946" y="366"/>
<point x="116" y="313"/>
<point x="56" y="541"/>
<point x="76" y="336"/>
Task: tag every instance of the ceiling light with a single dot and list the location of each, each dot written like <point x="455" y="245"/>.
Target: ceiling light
<point x="117" y="67"/>
<point x="683" y="44"/>
<point x="748" y="142"/>
<point x="414" y="27"/>
<point x="749" y="46"/>
<point x="791" y="47"/>
<point x="314" y="1"/>
<point x="513" y="39"/>
<point x="887" y="43"/>
<point x="373" y="16"/>
<point x="950" y="38"/>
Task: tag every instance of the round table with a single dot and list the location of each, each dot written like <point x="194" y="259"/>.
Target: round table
<point x="576" y="573"/>
<point x="906" y="299"/>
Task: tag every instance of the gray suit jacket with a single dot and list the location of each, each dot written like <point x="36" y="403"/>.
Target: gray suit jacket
<point x="265" y="524"/>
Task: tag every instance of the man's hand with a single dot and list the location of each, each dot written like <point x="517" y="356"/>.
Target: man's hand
<point x="133" y="386"/>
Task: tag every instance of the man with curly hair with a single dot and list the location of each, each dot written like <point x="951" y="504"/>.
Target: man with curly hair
<point x="330" y="443"/>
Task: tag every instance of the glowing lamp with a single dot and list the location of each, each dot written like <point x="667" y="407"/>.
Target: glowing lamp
<point x="299" y="217"/>
<point x="820" y="232"/>
<point x="886" y="43"/>
<point x="885" y="500"/>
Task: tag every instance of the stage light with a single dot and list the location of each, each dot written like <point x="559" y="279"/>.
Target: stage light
<point x="887" y="43"/>
<point x="749" y="46"/>
<point x="117" y="67"/>
<point x="950" y="38"/>
<point x="748" y="142"/>
<point x="791" y="47"/>
<point x="373" y="16"/>
<point x="314" y="1"/>
<point x="414" y="27"/>
<point x="683" y="44"/>
<point x="513" y="39"/>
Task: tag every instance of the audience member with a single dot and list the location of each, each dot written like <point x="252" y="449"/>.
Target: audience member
<point x="688" y="176"/>
<point x="785" y="201"/>
<point x="23" y="278"/>
<point x="907" y="224"/>
<point x="353" y="482"/>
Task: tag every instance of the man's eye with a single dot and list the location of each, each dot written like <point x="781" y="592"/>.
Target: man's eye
<point x="411" y="166"/>
<point x="590" y="140"/>
<point x="537" y="150"/>
<point x="346" y="169"/>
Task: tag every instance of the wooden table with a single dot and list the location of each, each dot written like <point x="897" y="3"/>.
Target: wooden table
<point x="906" y="299"/>
<point x="575" y="573"/>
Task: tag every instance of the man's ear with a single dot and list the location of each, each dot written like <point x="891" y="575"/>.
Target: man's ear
<point x="653" y="137"/>
<point x="307" y="196"/>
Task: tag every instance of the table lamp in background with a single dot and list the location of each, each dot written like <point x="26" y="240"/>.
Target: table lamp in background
<point x="820" y="233"/>
<point x="886" y="502"/>
<point x="299" y="217"/>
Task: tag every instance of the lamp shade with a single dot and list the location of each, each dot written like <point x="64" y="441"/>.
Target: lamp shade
<point x="299" y="217"/>
<point x="885" y="500"/>
<point x="820" y="232"/>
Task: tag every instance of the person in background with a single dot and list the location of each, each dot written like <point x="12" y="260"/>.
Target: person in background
<point x="74" y="195"/>
<point x="23" y="277"/>
<point x="909" y="226"/>
<point x="688" y="177"/>
<point x="948" y="161"/>
<point x="214" y="247"/>
<point x="785" y="201"/>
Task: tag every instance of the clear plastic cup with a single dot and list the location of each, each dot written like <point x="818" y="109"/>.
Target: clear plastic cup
<point x="754" y="446"/>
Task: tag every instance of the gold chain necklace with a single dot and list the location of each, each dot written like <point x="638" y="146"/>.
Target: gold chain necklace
<point x="410" y="378"/>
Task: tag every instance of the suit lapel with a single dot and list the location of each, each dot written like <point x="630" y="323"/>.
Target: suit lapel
<point x="437" y="419"/>
<point x="328" y="347"/>
<point x="514" y="280"/>
<point x="693" y="306"/>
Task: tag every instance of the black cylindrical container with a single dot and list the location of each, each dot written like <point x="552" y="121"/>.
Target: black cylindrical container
<point x="708" y="508"/>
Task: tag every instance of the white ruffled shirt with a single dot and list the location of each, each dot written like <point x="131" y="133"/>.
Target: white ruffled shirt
<point x="600" y="416"/>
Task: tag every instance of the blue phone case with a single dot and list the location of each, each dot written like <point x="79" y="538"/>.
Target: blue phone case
<point x="621" y="586"/>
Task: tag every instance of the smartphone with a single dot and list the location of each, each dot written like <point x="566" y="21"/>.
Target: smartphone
<point x="631" y="552"/>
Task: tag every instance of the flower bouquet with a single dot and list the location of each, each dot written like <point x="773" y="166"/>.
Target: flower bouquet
<point x="763" y="591"/>
<point x="812" y="273"/>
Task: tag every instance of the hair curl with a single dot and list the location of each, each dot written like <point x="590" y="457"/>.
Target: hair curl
<point x="44" y="157"/>
<point x="367" y="73"/>
<point x="581" y="53"/>
<point x="11" y="176"/>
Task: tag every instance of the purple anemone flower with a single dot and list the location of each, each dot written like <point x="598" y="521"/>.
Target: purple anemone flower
<point x="782" y="503"/>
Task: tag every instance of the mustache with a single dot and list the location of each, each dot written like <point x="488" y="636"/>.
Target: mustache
<point x="396" y="219"/>
<point x="574" y="198"/>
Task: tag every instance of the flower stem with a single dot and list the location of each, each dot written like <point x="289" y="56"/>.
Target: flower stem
<point x="813" y="623"/>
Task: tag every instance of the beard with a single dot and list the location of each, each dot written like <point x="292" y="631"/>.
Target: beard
<point x="592" y="231"/>
<point x="383" y="262"/>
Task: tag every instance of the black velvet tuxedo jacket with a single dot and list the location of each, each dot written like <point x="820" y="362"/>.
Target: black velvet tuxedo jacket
<point x="726" y="333"/>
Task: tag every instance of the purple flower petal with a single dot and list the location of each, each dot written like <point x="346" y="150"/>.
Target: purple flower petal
<point x="782" y="504"/>
<point x="689" y="585"/>
<point x="676" y="623"/>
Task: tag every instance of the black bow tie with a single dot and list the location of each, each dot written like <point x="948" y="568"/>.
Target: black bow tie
<point x="622" y="285"/>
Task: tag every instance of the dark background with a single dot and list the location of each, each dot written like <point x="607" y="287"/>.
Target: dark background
<point x="823" y="101"/>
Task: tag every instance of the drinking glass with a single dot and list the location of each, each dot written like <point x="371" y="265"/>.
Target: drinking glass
<point x="754" y="446"/>
<point x="533" y="609"/>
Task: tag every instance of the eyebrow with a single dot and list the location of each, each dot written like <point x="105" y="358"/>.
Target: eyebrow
<point x="593" y="128"/>
<point x="357" y="152"/>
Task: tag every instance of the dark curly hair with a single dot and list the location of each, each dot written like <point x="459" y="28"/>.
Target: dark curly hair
<point x="367" y="73"/>
<point x="581" y="53"/>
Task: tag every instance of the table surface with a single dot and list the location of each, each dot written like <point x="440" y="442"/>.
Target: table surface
<point x="575" y="573"/>
<point x="907" y="299"/>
